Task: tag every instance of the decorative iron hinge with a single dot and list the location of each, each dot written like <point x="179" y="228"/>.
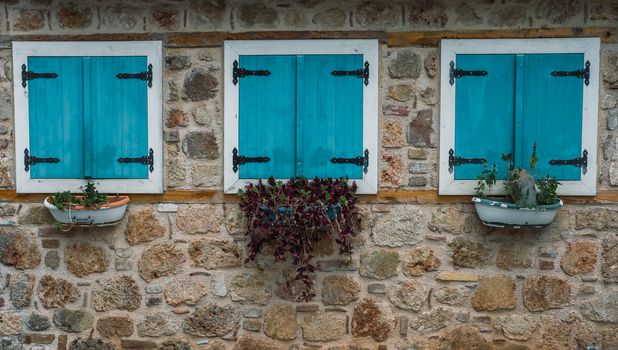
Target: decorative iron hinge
<point x="146" y="76"/>
<point x="242" y="72"/>
<point x="240" y="160"/>
<point x="28" y="75"/>
<point x="457" y="161"/>
<point x="146" y="160"/>
<point x="458" y="73"/>
<point x="580" y="73"/>
<point x="32" y="160"/>
<point x="360" y="160"/>
<point x="580" y="162"/>
<point x="362" y="73"/>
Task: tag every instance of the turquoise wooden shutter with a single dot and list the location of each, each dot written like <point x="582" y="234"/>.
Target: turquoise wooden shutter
<point x="484" y="113"/>
<point x="552" y="114"/>
<point x="117" y="118"/>
<point x="330" y="116"/>
<point x="55" y="109"/>
<point x="267" y="117"/>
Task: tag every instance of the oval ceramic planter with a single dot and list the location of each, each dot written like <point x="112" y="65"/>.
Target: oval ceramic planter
<point x="109" y="213"/>
<point x="501" y="214"/>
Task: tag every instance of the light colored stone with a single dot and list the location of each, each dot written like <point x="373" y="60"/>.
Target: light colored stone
<point x="419" y="261"/>
<point x="403" y="225"/>
<point x="83" y="259"/>
<point x="215" y="254"/>
<point x="516" y="326"/>
<point x="120" y="293"/>
<point x="469" y="254"/>
<point x="280" y="322"/>
<point x="157" y="324"/>
<point x="453" y="296"/>
<point x="162" y="259"/>
<point x="212" y="320"/>
<point x="515" y="255"/>
<point x="405" y="65"/>
<point x="373" y="318"/>
<point x="408" y="295"/>
<point x="495" y="293"/>
<point x="199" y="218"/>
<point x="143" y="227"/>
<point x="167" y="208"/>
<point x="602" y="309"/>
<point x="457" y="276"/>
<point x="56" y="292"/>
<point x="185" y="290"/>
<point x="580" y="258"/>
<point x="19" y="250"/>
<point x="609" y="258"/>
<point x="115" y="326"/>
<point x="431" y="321"/>
<point x="250" y="287"/>
<point x="252" y="342"/>
<point x="339" y="289"/>
<point x="21" y="290"/>
<point x="546" y="292"/>
<point x="401" y="92"/>
<point x="10" y="322"/>
<point x="393" y="134"/>
<point x="379" y="264"/>
<point x="323" y="326"/>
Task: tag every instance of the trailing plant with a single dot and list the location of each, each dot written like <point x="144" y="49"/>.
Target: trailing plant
<point x="293" y="216"/>
<point x="520" y="185"/>
<point x="90" y="198"/>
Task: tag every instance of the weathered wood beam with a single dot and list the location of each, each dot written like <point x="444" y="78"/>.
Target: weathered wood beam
<point x="390" y="196"/>
<point x="395" y="39"/>
<point x="402" y="39"/>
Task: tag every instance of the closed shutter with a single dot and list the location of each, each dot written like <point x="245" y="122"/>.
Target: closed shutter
<point x="117" y="121"/>
<point x="267" y="117"/>
<point x="552" y="114"/>
<point x="484" y="113"/>
<point x="56" y="117"/>
<point x="330" y="116"/>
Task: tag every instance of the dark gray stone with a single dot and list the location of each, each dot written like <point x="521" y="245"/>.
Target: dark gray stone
<point x="177" y="62"/>
<point x="52" y="259"/>
<point x="406" y="65"/>
<point x="73" y="320"/>
<point x="90" y="344"/>
<point x="200" y="85"/>
<point x="37" y="322"/>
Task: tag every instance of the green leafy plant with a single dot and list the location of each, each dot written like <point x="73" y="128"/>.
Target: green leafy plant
<point x="292" y="217"/>
<point x="90" y="198"/>
<point x="520" y="185"/>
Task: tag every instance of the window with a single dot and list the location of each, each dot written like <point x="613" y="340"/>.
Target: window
<point x="503" y="96"/>
<point x="301" y="108"/>
<point x="88" y="110"/>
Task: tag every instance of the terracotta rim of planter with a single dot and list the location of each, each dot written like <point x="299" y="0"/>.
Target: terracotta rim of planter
<point x="113" y="202"/>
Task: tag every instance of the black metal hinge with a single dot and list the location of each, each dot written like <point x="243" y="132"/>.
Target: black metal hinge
<point x="240" y="160"/>
<point x="360" y="160"/>
<point x="146" y="76"/>
<point x="242" y="72"/>
<point x="580" y="73"/>
<point x="458" y="73"/>
<point x="146" y="160"/>
<point x="32" y="160"/>
<point x="28" y="75"/>
<point x="456" y="161"/>
<point x="580" y="162"/>
<point x="362" y="73"/>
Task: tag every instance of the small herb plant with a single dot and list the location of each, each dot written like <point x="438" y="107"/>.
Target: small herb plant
<point x="520" y="185"/>
<point x="90" y="198"/>
<point x="293" y="216"/>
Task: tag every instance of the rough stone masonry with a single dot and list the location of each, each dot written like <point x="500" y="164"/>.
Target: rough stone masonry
<point x="423" y="275"/>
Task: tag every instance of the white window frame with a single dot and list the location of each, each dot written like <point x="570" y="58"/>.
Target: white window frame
<point x="368" y="48"/>
<point x="152" y="50"/>
<point x="590" y="47"/>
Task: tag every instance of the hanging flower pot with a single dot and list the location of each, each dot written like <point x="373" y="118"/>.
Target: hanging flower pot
<point x="497" y="213"/>
<point x="90" y="208"/>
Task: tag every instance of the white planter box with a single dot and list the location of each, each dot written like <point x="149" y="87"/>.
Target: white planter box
<point x="501" y="214"/>
<point x="103" y="215"/>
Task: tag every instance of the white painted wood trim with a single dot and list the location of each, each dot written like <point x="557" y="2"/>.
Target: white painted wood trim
<point x="152" y="50"/>
<point x="450" y="48"/>
<point x="368" y="48"/>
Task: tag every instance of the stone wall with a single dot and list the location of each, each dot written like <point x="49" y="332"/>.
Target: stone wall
<point x="423" y="276"/>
